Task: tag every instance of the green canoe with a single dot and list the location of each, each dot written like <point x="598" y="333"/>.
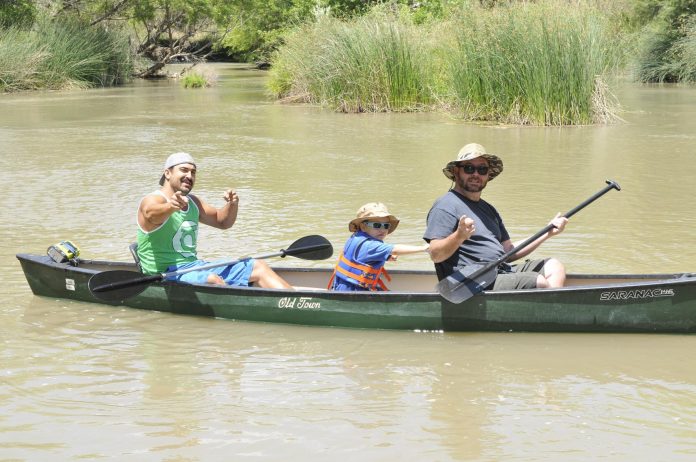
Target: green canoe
<point x="664" y="303"/>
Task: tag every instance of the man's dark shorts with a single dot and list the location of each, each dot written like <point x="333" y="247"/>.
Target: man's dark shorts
<point x="523" y="276"/>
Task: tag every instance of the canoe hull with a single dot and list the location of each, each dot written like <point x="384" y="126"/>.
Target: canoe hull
<point x="633" y="303"/>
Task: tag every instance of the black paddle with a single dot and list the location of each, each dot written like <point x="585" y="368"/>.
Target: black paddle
<point x="473" y="279"/>
<point x="118" y="285"/>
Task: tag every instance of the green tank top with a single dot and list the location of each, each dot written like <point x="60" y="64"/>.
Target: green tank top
<point x="172" y="243"/>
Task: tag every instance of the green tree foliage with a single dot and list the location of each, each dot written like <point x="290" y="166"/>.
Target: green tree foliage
<point x="673" y="14"/>
<point x="256" y="27"/>
<point x="190" y="30"/>
<point x="259" y="25"/>
<point x="420" y="10"/>
<point x="350" y="8"/>
<point x="246" y="30"/>
<point x="165" y="30"/>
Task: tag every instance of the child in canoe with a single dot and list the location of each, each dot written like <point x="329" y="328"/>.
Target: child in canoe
<point x="361" y="264"/>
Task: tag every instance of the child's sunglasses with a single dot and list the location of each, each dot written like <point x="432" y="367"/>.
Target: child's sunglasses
<point x="377" y="225"/>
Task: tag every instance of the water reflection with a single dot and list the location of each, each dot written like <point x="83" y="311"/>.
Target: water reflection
<point x="175" y="386"/>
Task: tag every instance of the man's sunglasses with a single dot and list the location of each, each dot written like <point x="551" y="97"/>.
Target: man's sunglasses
<point x="377" y="225"/>
<point x="470" y="169"/>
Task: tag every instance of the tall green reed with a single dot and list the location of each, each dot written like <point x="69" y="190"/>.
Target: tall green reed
<point x="686" y="50"/>
<point x="530" y="63"/>
<point x="371" y="64"/>
<point x="63" y="54"/>
<point x="522" y="62"/>
<point x="662" y="58"/>
<point x="21" y="57"/>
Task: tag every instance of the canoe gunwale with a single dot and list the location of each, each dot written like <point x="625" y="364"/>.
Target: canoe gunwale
<point x="634" y="280"/>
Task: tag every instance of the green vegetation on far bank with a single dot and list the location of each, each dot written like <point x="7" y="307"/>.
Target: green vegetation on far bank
<point x="369" y="64"/>
<point x="538" y="63"/>
<point x="512" y="61"/>
<point x="62" y="54"/>
<point x="526" y="63"/>
<point x="666" y="50"/>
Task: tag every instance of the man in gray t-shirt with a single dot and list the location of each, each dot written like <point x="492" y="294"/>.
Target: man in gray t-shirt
<point x="463" y="229"/>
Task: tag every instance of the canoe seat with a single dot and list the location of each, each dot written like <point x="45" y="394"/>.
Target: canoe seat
<point x="134" y="251"/>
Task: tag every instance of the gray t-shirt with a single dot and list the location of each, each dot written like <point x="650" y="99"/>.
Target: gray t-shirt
<point x="483" y="246"/>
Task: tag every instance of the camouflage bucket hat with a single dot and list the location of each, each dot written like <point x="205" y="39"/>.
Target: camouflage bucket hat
<point x="472" y="151"/>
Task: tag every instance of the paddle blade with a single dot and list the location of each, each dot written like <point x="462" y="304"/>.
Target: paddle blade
<point x="312" y="247"/>
<point x="118" y="285"/>
<point x="460" y="286"/>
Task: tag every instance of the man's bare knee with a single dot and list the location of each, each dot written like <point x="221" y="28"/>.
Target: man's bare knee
<point x="215" y="279"/>
<point x="555" y="273"/>
<point x="266" y="277"/>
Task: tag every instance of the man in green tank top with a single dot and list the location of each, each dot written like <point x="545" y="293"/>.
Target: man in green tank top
<point x="168" y="230"/>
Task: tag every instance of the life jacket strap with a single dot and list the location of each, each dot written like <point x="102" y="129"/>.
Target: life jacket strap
<point x="369" y="278"/>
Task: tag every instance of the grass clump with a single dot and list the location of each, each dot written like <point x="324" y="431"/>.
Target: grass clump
<point x="199" y="77"/>
<point x="538" y="63"/>
<point x="62" y="54"/>
<point x="374" y="63"/>
<point x="530" y="63"/>
<point x="666" y="58"/>
<point x="193" y="81"/>
<point x="666" y="50"/>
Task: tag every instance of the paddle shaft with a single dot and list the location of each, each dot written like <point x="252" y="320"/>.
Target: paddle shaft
<point x="161" y="276"/>
<point x="610" y="185"/>
<point x="213" y="265"/>
<point x="282" y="254"/>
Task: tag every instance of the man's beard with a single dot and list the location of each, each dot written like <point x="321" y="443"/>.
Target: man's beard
<point x="182" y="190"/>
<point x="469" y="187"/>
